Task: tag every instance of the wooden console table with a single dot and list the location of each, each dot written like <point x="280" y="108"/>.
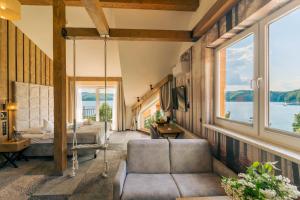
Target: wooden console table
<point x="169" y="130"/>
<point x="205" y="198"/>
<point x="11" y="151"/>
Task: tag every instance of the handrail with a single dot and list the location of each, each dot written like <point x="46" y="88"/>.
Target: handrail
<point x="155" y="89"/>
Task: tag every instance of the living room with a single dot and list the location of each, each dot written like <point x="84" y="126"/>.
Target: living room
<point x="149" y="99"/>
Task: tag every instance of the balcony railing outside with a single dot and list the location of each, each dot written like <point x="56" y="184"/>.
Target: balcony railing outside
<point x="89" y="112"/>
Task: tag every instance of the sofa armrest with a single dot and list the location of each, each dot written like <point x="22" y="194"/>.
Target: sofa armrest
<point x="119" y="181"/>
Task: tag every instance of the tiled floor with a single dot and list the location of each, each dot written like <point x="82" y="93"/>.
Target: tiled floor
<point x="33" y="180"/>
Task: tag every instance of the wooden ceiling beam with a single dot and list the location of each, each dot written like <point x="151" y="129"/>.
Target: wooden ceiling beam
<point x="130" y="35"/>
<point x="215" y="13"/>
<point x="96" y="13"/>
<point x="175" y="5"/>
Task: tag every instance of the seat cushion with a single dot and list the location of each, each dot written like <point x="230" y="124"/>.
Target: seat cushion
<point x="149" y="187"/>
<point x="190" y="156"/>
<point x="199" y="185"/>
<point x="148" y="156"/>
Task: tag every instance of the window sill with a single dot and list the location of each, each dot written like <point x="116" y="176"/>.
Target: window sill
<point x="291" y="155"/>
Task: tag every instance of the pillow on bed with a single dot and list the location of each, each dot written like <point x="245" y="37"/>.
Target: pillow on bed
<point x="48" y="126"/>
<point x="34" y="131"/>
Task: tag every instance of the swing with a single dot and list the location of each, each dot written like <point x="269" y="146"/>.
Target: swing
<point x="76" y="147"/>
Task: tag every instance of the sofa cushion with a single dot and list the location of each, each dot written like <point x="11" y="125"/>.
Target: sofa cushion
<point x="148" y="156"/>
<point x="149" y="187"/>
<point x="199" y="185"/>
<point x="190" y="156"/>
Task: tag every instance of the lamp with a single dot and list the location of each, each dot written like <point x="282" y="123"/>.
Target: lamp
<point x="10" y="9"/>
<point x="12" y="106"/>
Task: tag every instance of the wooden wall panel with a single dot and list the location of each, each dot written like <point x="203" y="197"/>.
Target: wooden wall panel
<point x="47" y="71"/>
<point x="32" y="63"/>
<point x="11" y="57"/>
<point x="51" y="73"/>
<point x="38" y="65"/>
<point x="20" y="61"/>
<point x="196" y="82"/>
<point x="3" y="61"/>
<point x="11" y="69"/>
<point x="26" y="59"/>
<point x="19" y="58"/>
<point x="43" y="69"/>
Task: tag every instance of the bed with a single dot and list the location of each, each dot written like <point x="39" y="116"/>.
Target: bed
<point x="35" y="109"/>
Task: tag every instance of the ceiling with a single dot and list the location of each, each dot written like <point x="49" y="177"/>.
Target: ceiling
<point x="140" y="63"/>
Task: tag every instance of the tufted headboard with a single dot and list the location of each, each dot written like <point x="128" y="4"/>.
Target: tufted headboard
<point x="35" y="103"/>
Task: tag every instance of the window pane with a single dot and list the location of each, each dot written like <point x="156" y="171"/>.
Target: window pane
<point x="236" y="64"/>
<point x="88" y="103"/>
<point x="284" y="73"/>
<point x="109" y="106"/>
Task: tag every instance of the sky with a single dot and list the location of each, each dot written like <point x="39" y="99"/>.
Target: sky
<point x="284" y="57"/>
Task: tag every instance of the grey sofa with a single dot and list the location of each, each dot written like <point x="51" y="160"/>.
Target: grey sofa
<point x="166" y="169"/>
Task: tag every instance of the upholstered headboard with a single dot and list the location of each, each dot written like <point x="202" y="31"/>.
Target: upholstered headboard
<point x="35" y="103"/>
<point x="22" y="98"/>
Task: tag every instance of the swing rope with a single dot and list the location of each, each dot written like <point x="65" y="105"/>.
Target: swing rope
<point x="77" y="147"/>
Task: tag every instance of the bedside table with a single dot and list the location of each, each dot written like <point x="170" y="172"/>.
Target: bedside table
<point x="11" y="151"/>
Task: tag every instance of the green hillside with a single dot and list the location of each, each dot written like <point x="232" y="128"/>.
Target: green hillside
<point x="247" y="95"/>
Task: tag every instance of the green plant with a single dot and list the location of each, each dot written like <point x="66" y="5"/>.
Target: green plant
<point x="148" y="122"/>
<point x="296" y="124"/>
<point x="102" y="109"/>
<point x="260" y="183"/>
<point x="158" y="115"/>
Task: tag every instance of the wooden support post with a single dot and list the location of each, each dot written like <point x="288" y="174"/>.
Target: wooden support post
<point x="59" y="81"/>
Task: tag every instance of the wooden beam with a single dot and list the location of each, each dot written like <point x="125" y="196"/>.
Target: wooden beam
<point x="175" y="5"/>
<point x="59" y="69"/>
<point x="96" y="13"/>
<point x="155" y="89"/>
<point x="218" y="10"/>
<point x="96" y="78"/>
<point x="130" y="35"/>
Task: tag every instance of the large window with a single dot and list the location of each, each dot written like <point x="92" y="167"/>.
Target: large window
<point x="284" y="73"/>
<point x="258" y="79"/>
<point x="91" y="103"/>
<point x="236" y="67"/>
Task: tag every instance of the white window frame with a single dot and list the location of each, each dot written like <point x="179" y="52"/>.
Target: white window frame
<point x="292" y="140"/>
<point x="97" y="92"/>
<point x="242" y="127"/>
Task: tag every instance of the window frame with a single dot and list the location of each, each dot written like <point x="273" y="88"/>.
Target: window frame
<point x="272" y="134"/>
<point x="239" y="126"/>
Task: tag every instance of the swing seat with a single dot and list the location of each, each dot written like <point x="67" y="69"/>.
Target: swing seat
<point x="90" y="146"/>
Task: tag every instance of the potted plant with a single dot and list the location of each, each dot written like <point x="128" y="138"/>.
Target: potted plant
<point x="260" y="183"/>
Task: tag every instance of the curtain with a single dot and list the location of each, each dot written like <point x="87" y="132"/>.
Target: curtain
<point x="78" y="105"/>
<point x="71" y="101"/>
<point x="165" y="97"/>
<point x="121" y="108"/>
<point x="135" y="115"/>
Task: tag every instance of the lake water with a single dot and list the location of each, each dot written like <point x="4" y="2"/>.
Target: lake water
<point x="91" y="104"/>
<point x="281" y="116"/>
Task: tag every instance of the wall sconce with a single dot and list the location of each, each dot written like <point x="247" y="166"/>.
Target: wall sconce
<point x="12" y="106"/>
<point x="10" y="9"/>
<point x="151" y="87"/>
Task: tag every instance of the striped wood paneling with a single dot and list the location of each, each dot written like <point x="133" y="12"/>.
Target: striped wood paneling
<point x="38" y="65"/>
<point x="3" y="61"/>
<point x="32" y="63"/>
<point x="21" y="60"/>
<point x="26" y="59"/>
